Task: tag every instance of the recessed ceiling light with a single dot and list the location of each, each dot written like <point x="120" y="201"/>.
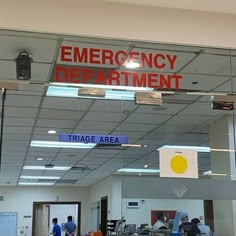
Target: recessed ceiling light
<point x="39" y="158"/>
<point x="52" y="131"/>
<point x="132" y="64"/>
<point x="140" y="174"/>
<point x="145" y="166"/>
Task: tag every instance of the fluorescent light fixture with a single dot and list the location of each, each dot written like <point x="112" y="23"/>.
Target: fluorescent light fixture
<point x="42" y="184"/>
<point x="46" y="168"/>
<point x="131" y="145"/>
<point x="39" y="177"/>
<point x="115" y="87"/>
<point x="199" y="149"/>
<point x="132" y="64"/>
<point x="74" y="93"/>
<point x="130" y="170"/>
<point x="209" y="172"/>
<point x="55" y="144"/>
<point x="52" y="131"/>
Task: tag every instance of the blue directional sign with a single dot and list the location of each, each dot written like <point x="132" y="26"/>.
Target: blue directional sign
<point x="90" y="138"/>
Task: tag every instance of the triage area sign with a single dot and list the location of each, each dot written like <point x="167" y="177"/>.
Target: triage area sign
<point x="90" y="138"/>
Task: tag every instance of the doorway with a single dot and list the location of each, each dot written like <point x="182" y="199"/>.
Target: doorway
<point x="104" y="207"/>
<point x="44" y="212"/>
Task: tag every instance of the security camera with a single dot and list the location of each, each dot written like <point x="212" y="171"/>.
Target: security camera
<point x="23" y="66"/>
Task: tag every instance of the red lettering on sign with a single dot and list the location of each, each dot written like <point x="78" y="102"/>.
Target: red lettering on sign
<point x="158" y="61"/>
<point x="80" y="56"/>
<point x="126" y="75"/>
<point x="94" y="56"/>
<point x="88" y="74"/>
<point x="165" y="82"/>
<point x="139" y="82"/>
<point x="114" y="76"/>
<point x="61" y="74"/>
<point x="177" y="78"/>
<point x="172" y="60"/>
<point x="120" y="58"/>
<point x="101" y="77"/>
<point x="146" y="60"/>
<point x="74" y="75"/>
<point x="66" y="51"/>
<point x="107" y="55"/>
<point x="152" y="80"/>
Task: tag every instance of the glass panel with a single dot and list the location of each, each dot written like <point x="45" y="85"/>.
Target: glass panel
<point x="153" y="95"/>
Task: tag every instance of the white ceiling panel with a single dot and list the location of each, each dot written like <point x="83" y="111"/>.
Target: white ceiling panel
<point x="135" y="127"/>
<point x="22" y="101"/>
<point x="46" y="154"/>
<point x="103" y="116"/>
<point x="162" y="135"/>
<point x="40" y="72"/>
<point x="60" y="114"/>
<point x="15" y="143"/>
<point x="147" y="119"/>
<point x="44" y="131"/>
<point x="13" y="137"/>
<point x="209" y="64"/>
<point x="200" y="108"/>
<point x="195" y="137"/>
<point x="168" y="109"/>
<point x="18" y="122"/>
<point x="20" y="112"/>
<point x="112" y="106"/>
<point x="73" y="104"/>
<point x="53" y="123"/>
<point x="132" y="135"/>
<point x="100" y="126"/>
<point x="194" y="120"/>
<point x="184" y="143"/>
<point x="42" y="50"/>
<point x="198" y="82"/>
<point x="179" y="128"/>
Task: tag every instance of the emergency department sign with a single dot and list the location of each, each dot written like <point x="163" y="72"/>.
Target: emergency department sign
<point x="178" y="163"/>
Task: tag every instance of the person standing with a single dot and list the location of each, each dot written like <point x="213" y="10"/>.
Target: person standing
<point x="70" y="227"/>
<point x="56" y="231"/>
<point x="160" y="221"/>
<point x="189" y="228"/>
<point x="205" y="229"/>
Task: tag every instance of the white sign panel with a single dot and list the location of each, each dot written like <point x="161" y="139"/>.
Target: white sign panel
<point x="178" y="163"/>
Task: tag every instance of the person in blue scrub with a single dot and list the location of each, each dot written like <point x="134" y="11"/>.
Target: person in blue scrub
<point x="56" y="231"/>
<point x="70" y="227"/>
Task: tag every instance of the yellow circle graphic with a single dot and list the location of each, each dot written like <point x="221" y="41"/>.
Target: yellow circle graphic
<point x="178" y="164"/>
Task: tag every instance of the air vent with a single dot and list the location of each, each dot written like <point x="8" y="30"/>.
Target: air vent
<point x="81" y="168"/>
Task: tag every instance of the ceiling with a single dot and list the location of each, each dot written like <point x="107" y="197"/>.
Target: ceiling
<point x="29" y="113"/>
<point x="199" y="5"/>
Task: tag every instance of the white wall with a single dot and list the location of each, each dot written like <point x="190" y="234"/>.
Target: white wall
<point x="110" y="187"/>
<point x="116" y="20"/>
<point x="142" y="215"/>
<point x="20" y="200"/>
